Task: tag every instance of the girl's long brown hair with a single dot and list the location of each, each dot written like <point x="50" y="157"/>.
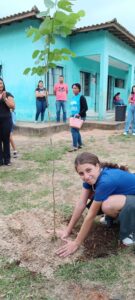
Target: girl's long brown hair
<point x="90" y="158"/>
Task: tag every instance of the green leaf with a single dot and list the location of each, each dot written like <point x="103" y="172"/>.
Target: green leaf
<point x="49" y="4"/>
<point x="50" y="39"/>
<point x="51" y="65"/>
<point x="67" y="51"/>
<point x="64" y="57"/>
<point x="81" y="13"/>
<point x="60" y="16"/>
<point x="43" y="13"/>
<point x="34" y="70"/>
<point x="34" y="31"/>
<point x="30" y="31"/>
<point x="35" y="53"/>
<point x="26" y="71"/>
<point x="46" y="26"/>
<point x="65" y="5"/>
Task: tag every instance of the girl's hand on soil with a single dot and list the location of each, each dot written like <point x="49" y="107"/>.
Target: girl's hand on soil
<point x="62" y="233"/>
<point x="69" y="248"/>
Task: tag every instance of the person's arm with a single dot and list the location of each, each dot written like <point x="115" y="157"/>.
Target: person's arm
<point x="130" y="99"/>
<point x="9" y="100"/>
<point x="71" y="246"/>
<point x="83" y="105"/>
<point x="40" y="94"/>
<point x="78" y="210"/>
<point x="67" y="89"/>
<point x="37" y="94"/>
<point x="54" y="90"/>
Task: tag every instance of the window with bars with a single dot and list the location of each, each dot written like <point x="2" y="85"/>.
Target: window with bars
<point x="85" y="83"/>
<point x="52" y="77"/>
<point x="0" y="70"/>
<point x="119" y="83"/>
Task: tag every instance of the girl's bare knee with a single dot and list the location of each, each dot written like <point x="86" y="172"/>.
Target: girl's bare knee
<point x="105" y="207"/>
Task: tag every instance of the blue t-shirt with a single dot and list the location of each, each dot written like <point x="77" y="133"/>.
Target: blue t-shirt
<point x="75" y="105"/>
<point x="112" y="182"/>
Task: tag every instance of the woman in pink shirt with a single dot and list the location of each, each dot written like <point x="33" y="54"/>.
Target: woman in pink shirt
<point x="61" y="91"/>
<point x="131" y="113"/>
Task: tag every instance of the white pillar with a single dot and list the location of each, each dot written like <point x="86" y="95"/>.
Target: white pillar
<point x="103" y="84"/>
<point x="130" y="80"/>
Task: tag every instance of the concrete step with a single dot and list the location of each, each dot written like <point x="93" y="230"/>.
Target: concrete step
<point x="43" y="129"/>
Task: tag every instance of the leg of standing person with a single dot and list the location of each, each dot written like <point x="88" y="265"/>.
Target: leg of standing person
<point x="74" y="133"/>
<point x="58" y="108"/>
<point x="79" y="140"/>
<point x="6" y="129"/>
<point x="129" y="119"/>
<point x="1" y="149"/>
<point x="43" y="108"/>
<point x="15" y="154"/>
<point x="63" y="105"/>
<point x="133" y="121"/>
<point x="38" y="109"/>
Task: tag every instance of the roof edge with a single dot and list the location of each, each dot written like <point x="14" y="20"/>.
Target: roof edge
<point x="102" y="26"/>
<point x="20" y="16"/>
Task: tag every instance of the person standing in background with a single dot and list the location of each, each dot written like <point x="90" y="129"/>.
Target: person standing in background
<point x="12" y="143"/>
<point x="41" y="101"/>
<point x="6" y="103"/>
<point x="131" y="113"/>
<point x="61" y="91"/>
<point x="78" y="108"/>
<point x="117" y="99"/>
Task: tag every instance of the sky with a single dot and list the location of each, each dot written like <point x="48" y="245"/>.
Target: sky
<point x="96" y="11"/>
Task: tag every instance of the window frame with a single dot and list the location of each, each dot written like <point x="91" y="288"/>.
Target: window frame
<point x="52" y="77"/>
<point x="0" y="70"/>
<point x="85" y="88"/>
<point x="119" y="83"/>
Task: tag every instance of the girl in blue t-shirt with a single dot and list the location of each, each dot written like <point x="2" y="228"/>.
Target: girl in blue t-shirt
<point x="112" y="190"/>
<point x="78" y="108"/>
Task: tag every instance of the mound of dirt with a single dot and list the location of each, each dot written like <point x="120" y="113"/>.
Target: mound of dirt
<point x="25" y="239"/>
<point x="102" y="241"/>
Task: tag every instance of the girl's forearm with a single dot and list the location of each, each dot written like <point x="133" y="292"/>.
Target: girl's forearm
<point x="76" y="216"/>
<point x="85" y="229"/>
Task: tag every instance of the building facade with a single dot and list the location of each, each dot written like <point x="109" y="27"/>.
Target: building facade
<point x="104" y="64"/>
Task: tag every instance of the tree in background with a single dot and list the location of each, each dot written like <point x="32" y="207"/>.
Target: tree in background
<point x="58" y="20"/>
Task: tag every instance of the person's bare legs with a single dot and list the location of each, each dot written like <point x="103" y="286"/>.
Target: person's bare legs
<point x="12" y="142"/>
<point x="113" y="205"/>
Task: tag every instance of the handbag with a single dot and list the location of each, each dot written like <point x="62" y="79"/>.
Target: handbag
<point x="75" y="122"/>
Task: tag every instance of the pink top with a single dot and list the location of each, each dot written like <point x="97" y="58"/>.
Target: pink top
<point x="132" y="99"/>
<point x="61" y="91"/>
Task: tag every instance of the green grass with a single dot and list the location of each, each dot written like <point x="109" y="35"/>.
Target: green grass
<point x="65" y="184"/>
<point x="65" y="210"/>
<point x="107" y="270"/>
<point x="121" y="138"/>
<point x="21" y="176"/>
<point x="17" y="283"/>
<point x="62" y="168"/>
<point x="12" y="201"/>
<point x="23" y="199"/>
<point x="47" y="154"/>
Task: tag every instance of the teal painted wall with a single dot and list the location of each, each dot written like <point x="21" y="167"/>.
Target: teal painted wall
<point x="16" y="54"/>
